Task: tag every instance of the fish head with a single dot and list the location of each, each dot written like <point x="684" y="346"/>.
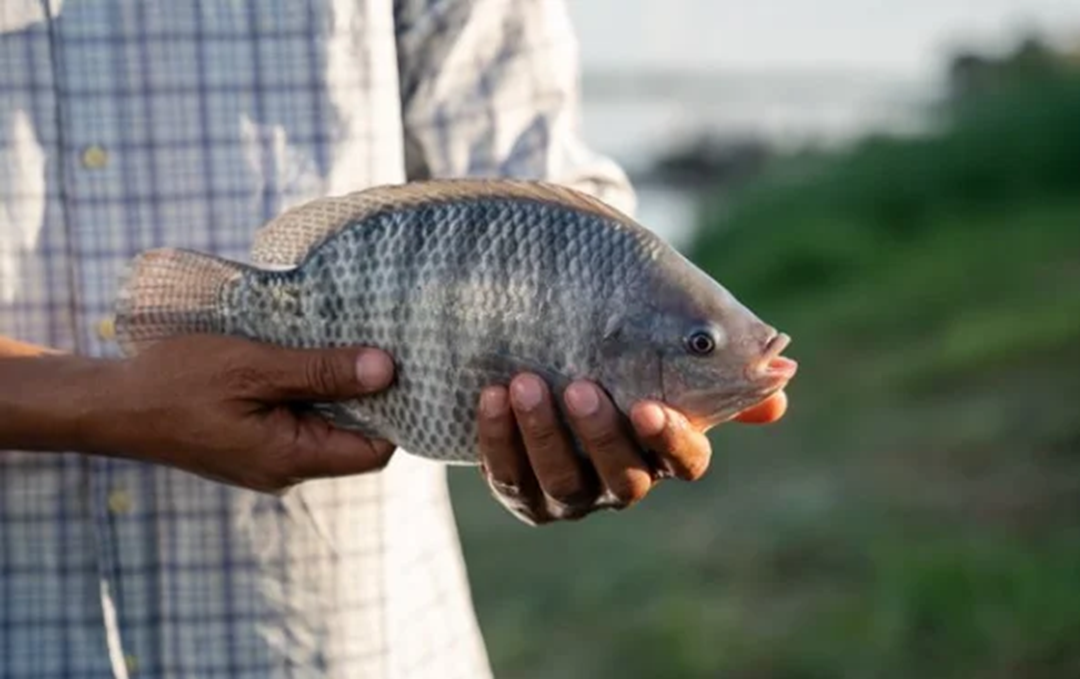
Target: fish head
<point x="693" y="346"/>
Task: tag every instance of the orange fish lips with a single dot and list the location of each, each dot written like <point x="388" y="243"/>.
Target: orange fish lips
<point x="781" y="367"/>
<point x="772" y="369"/>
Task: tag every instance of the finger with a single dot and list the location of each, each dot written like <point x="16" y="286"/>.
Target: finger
<point x="559" y="470"/>
<point x="330" y="374"/>
<point x="320" y="450"/>
<point x="613" y="453"/>
<point x="504" y="462"/>
<point x="685" y="450"/>
<point x="768" y="411"/>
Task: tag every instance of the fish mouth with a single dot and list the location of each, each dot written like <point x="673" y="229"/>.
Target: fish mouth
<point x="765" y="375"/>
<point x="772" y="368"/>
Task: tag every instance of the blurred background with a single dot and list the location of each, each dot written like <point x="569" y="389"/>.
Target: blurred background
<point x="897" y="185"/>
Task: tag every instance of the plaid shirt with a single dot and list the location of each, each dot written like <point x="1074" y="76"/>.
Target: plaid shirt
<point x="132" y="124"/>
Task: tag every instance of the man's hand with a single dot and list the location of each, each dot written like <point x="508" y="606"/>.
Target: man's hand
<point x="220" y="408"/>
<point x="531" y="468"/>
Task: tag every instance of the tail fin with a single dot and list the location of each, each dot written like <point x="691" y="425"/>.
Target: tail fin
<point x="169" y="292"/>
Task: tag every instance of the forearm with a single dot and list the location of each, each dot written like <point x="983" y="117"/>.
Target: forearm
<point x="50" y="401"/>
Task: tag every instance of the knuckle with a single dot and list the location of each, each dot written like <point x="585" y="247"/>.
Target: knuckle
<point x="672" y="437"/>
<point x="243" y="378"/>
<point x="566" y="488"/>
<point x="495" y="451"/>
<point x="542" y="434"/>
<point x="495" y="437"/>
<point x="504" y="469"/>
<point x="685" y="454"/>
<point x="666" y="442"/>
<point x="604" y="438"/>
<point x="320" y="373"/>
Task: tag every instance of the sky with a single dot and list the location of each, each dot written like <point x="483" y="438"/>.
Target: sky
<point x="902" y="38"/>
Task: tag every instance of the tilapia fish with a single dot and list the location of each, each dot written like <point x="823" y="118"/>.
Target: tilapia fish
<point x="467" y="283"/>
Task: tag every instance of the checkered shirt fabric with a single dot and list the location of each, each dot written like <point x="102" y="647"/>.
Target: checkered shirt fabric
<point x="132" y="124"/>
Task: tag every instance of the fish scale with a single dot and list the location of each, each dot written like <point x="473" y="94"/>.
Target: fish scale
<point x="465" y="283"/>
<point x="436" y="290"/>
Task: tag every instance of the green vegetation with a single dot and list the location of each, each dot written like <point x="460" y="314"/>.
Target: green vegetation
<point x="915" y="515"/>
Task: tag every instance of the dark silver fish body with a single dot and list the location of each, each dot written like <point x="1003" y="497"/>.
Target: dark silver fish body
<point x="465" y="284"/>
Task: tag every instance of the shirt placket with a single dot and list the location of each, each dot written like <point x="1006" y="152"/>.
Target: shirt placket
<point x="91" y="157"/>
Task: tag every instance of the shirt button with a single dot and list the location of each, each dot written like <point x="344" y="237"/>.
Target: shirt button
<point x="119" y="502"/>
<point x="94" y="157"/>
<point x="106" y="329"/>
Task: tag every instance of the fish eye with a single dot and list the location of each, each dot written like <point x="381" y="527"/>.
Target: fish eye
<point x="701" y="342"/>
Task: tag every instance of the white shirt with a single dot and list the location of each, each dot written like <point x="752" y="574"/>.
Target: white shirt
<point x="132" y="124"/>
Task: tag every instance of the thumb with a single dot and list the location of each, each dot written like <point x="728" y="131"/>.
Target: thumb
<point x="331" y="374"/>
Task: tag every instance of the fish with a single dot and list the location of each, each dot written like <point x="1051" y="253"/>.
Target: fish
<point x="467" y="283"/>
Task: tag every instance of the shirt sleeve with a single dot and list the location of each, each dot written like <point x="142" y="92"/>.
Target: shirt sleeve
<point x="492" y="88"/>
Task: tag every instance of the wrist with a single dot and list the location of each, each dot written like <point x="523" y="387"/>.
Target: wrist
<point x="57" y="403"/>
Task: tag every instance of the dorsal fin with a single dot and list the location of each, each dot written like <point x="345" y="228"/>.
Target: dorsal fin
<point x="287" y="239"/>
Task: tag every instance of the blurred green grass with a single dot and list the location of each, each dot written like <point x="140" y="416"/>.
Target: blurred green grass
<point x="916" y="513"/>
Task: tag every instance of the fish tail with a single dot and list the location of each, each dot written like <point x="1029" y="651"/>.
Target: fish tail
<point x="169" y="292"/>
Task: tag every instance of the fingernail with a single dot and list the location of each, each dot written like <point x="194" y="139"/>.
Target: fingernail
<point x="374" y="370"/>
<point x="526" y="392"/>
<point x="493" y="402"/>
<point x="582" y="399"/>
<point x="650" y="419"/>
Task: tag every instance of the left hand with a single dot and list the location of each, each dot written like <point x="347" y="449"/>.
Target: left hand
<point x="530" y="466"/>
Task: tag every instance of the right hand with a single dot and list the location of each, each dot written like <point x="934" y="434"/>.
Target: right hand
<point x="219" y="407"/>
<point x="533" y="472"/>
